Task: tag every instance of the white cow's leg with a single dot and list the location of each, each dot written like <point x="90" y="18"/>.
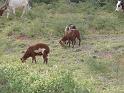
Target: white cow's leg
<point x="24" y="9"/>
<point x="8" y="13"/>
<point x="13" y="11"/>
<point x="28" y="8"/>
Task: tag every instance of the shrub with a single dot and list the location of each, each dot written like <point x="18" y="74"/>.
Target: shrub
<point x="20" y="80"/>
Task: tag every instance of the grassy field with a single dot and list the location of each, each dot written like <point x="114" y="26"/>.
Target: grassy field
<point x="97" y="66"/>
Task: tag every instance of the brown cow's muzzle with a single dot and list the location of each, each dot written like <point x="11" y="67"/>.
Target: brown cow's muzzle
<point x="1" y="12"/>
<point x="62" y="43"/>
<point x="22" y="59"/>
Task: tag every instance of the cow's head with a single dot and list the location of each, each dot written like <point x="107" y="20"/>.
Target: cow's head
<point x="1" y="12"/>
<point x="119" y="5"/>
<point x="61" y="43"/>
<point x="23" y="60"/>
<point x="2" y="9"/>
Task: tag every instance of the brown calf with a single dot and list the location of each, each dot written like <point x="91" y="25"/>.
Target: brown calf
<point x="36" y="50"/>
<point x="71" y="37"/>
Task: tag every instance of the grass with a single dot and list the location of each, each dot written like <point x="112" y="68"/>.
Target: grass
<point x="94" y="67"/>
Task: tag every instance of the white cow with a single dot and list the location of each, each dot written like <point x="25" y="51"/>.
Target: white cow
<point x="120" y="6"/>
<point x="12" y="5"/>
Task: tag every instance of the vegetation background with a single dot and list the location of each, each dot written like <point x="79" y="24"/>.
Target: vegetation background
<point x="97" y="66"/>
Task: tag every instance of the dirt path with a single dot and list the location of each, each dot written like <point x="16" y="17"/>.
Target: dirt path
<point x="105" y="37"/>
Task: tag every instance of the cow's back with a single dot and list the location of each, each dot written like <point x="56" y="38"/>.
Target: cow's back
<point x="77" y="33"/>
<point x="17" y="3"/>
<point x="40" y="45"/>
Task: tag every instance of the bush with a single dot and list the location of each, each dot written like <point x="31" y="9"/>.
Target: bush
<point x="18" y="79"/>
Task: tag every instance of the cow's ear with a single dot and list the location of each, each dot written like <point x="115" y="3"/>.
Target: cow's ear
<point x="122" y="2"/>
<point x="23" y="52"/>
<point x="116" y="1"/>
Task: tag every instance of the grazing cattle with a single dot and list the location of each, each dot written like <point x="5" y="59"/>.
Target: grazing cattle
<point x="12" y="5"/>
<point x="36" y="50"/>
<point x="120" y="6"/>
<point x="68" y="37"/>
<point x="71" y="37"/>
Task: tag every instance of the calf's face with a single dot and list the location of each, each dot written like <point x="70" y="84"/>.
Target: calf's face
<point x="61" y="43"/>
<point x="23" y="60"/>
<point x="119" y="5"/>
<point x="1" y="12"/>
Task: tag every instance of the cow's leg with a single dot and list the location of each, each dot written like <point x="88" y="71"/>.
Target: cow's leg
<point x="79" y="41"/>
<point x="45" y="58"/>
<point x="8" y="13"/>
<point x="73" y="42"/>
<point x="23" y="12"/>
<point x="33" y="59"/>
<point x="13" y="10"/>
<point x="69" y="42"/>
<point x="28" y="8"/>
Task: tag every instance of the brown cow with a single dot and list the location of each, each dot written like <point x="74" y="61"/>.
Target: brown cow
<point x="36" y="50"/>
<point x="70" y="37"/>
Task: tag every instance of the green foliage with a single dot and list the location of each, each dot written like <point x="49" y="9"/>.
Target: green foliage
<point x="97" y="65"/>
<point x="18" y="79"/>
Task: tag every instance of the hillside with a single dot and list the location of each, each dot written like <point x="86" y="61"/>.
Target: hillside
<point x="97" y="66"/>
